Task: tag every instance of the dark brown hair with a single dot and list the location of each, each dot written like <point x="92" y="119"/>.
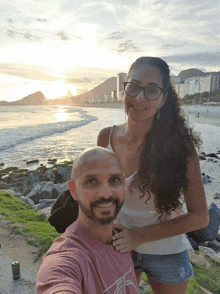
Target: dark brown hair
<point x="166" y="148"/>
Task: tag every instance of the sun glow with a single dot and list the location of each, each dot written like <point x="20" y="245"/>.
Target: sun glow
<point x="61" y="115"/>
<point x="57" y="89"/>
<point x="16" y="88"/>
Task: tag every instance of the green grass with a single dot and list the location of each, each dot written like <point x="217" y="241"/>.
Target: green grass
<point x="40" y="233"/>
<point x="208" y="278"/>
<point x="37" y="231"/>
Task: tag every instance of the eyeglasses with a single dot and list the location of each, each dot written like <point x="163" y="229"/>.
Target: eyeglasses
<point x="151" y="92"/>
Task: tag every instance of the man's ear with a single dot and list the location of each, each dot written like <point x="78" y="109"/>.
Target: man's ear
<point x="72" y="189"/>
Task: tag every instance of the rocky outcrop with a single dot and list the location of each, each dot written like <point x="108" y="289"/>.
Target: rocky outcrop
<point x="41" y="188"/>
<point x="211" y="231"/>
<point x="37" y="98"/>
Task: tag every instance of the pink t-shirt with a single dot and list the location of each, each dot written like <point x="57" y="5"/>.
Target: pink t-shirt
<point x="79" y="263"/>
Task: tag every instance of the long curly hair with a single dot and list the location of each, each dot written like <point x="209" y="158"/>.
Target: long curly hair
<point x="166" y="148"/>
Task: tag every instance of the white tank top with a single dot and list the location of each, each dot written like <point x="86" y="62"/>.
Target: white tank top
<point x="136" y="214"/>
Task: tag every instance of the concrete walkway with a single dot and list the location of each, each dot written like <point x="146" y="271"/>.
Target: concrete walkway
<point x="24" y="285"/>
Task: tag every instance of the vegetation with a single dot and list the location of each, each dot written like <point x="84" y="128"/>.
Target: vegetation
<point x="188" y="99"/>
<point x="36" y="230"/>
<point x="193" y="287"/>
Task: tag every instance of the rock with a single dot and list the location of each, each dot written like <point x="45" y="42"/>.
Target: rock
<point x="193" y="243"/>
<point x="46" y="211"/>
<point x="43" y="203"/>
<point x="2" y="164"/>
<point x="8" y="169"/>
<point x="65" y="172"/>
<point x="203" y="244"/>
<point x="52" y="160"/>
<point x="4" y="185"/>
<point x="32" y="161"/>
<point x="218" y="238"/>
<point x="26" y="191"/>
<point x="210" y="252"/>
<point x="207" y="250"/>
<point x="215" y="245"/>
<point x="211" y="231"/>
<point x="216" y="196"/>
<point x="202" y="157"/>
<point x="35" y="206"/>
<point x="12" y="192"/>
<point x="27" y="200"/>
<point x="48" y="176"/>
<point x="43" y="190"/>
<point x="41" y="215"/>
<point x="143" y="287"/>
<point x="199" y="259"/>
<point x="30" y="180"/>
<point x="212" y="155"/>
<point x="59" y="189"/>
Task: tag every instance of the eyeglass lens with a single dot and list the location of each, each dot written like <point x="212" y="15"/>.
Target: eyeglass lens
<point x="150" y="91"/>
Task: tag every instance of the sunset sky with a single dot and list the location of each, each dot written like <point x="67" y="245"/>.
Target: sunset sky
<point x="60" y="45"/>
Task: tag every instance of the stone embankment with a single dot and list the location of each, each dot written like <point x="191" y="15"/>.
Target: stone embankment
<point x="40" y="188"/>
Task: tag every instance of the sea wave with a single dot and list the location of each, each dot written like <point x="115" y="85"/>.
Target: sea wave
<point x="12" y="137"/>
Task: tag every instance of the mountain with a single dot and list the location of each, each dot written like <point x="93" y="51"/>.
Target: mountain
<point x="106" y="87"/>
<point x="189" y="73"/>
<point x="60" y="101"/>
<point x="37" y="98"/>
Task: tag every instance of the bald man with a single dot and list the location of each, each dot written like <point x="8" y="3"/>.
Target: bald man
<point x="82" y="260"/>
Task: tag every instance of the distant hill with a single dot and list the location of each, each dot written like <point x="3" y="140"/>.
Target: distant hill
<point x="37" y="98"/>
<point x="60" y="101"/>
<point x="106" y="87"/>
<point x="189" y="73"/>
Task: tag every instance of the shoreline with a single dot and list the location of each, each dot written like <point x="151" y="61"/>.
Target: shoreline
<point x="116" y="104"/>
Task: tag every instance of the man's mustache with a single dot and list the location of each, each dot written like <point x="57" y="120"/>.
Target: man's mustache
<point x="103" y="200"/>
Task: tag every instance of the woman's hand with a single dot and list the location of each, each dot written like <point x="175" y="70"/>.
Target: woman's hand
<point x="126" y="240"/>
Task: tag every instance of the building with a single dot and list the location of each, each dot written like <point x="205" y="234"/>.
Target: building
<point x="108" y="97"/>
<point x="114" y="95"/>
<point x="120" y="80"/>
<point x="198" y="84"/>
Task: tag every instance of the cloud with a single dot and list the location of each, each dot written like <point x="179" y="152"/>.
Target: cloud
<point x="78" y="81"/>
<point x="127" y="46"/>
<point x="26" y="71"/>
<point x="62" y="36"/>
<point x="170" y="46"/>
<point x="42" y="20"/>
<point x="115" y="36"/>
<point x="203" y="59"/>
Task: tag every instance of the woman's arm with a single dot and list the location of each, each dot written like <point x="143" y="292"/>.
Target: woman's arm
<point x="195" y="218"/>
<point x="103" y="137"/>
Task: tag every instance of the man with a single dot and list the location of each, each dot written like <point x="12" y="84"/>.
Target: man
<point x="82" y="260"/>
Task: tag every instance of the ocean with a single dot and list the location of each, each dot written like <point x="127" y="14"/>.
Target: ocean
<point x="47" y="132"/>
<point x="61" y="132"/>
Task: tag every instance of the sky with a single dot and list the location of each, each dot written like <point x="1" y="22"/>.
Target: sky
<point x="60" y="45"/>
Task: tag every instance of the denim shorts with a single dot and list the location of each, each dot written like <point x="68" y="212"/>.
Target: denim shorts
<point x="168" y="269"/>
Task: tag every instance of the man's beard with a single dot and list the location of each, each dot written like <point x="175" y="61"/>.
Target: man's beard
<point x="90" y="212"/>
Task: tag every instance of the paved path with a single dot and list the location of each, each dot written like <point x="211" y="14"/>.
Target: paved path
<point x="24" y="285"/>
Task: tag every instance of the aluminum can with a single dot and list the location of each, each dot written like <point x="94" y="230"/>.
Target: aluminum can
<point x="16" y="269"/>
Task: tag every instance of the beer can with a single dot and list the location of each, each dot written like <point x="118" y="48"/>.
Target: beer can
<point x="16" y="269"/>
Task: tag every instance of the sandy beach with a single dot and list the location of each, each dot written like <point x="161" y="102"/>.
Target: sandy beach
<point x="208" y="126"/>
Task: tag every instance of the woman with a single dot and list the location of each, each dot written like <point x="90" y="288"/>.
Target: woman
<point x="157" y="151"/>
